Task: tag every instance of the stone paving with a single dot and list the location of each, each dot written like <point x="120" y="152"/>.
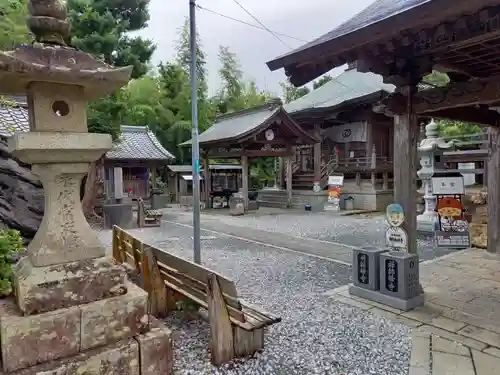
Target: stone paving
<point x="317" y="335"/>
<point x="457" y="331"/>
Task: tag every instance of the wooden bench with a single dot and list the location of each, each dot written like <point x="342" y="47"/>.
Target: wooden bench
<point x="147" y="218"/>
<point x="237" y="327"/>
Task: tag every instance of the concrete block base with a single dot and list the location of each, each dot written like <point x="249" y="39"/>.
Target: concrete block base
<point x="42" y="289"/>
<point x="396" y="303"/>
<point x="119" y="214"/>
<point x="121" y="358"/>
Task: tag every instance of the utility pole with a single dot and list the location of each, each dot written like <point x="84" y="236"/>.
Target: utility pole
<point x="195" y="146"/>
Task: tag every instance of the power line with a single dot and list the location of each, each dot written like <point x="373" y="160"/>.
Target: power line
<point x="248" y="23"/>
<point x="261" y="24"/>
<point x="275" y="34"/>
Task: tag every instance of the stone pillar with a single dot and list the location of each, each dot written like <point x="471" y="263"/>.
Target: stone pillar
<point x="118" y="183"/>
<point x="73" y="310"/>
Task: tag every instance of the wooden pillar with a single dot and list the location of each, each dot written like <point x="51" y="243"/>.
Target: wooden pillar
<point x="317" y="153"/>
<point x="281" y="172"/>
<point x="289" y="180"/>
<point x="244" y="179"/>
<point x="493" y="167"/>
<point x="405" y="168"/>
<point x="369" y="139"/>
<point x="153" y="177"/>
<point x="208" y="181"/>
<point x="177" y="188"/>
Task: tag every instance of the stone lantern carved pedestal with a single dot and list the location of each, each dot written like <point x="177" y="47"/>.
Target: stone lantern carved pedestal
<point x="431" y="150"/>
<point x="73" y="310"/>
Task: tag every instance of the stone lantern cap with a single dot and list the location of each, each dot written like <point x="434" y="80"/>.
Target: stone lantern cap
<point x="432" y="141"/>
<point x="58" y="64"/>
<point x="50" y="59"/>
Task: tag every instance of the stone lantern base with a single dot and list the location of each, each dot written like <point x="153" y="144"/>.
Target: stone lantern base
<point x="48" y="328"/>
<point x="427" y="222"/>
<point x="74" y="312"/>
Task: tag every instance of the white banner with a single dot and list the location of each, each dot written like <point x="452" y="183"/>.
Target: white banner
<point x="353" y="132"/>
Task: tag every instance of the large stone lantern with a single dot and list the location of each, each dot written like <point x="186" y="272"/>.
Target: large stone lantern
<point x="71" y="301"/>
<point x="431" y="150"/>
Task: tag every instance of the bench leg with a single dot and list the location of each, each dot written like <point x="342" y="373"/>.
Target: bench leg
<point x="159" y="295"/>
<point x="247" y="343"/>
<point x="220" y="326"/>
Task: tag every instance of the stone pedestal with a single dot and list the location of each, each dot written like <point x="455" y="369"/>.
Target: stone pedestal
<point x="74" y="311"/>
<point x="119" y="214"/>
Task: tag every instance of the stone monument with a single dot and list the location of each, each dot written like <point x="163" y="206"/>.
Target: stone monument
<point x="431" y="150"/>
<point x="73" y="310"/>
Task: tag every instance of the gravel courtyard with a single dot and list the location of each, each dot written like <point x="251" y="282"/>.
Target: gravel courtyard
<point x="317" y="335"/>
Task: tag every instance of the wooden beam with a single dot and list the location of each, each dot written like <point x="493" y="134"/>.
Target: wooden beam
<point x="482" y="116"/>
<point x="249" y="153"/>
<point x="459" y="94"/>
<point x="493" y="176"/>
<point x="405" y="171"/>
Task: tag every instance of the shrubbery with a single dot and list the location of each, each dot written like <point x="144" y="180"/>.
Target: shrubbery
<point x="11" y="243"/>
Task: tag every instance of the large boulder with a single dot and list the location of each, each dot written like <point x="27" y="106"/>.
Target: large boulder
<point x="21" y="195"/>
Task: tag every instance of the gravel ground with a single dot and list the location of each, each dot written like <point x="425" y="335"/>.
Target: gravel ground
<point x="355" y="230"/>
<point x="317" y="334"/>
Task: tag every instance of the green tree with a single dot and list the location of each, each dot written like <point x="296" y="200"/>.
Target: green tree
<point x="291" y="93"/>
<point x="184" y="59"/>
<point x="101" y="28"/>
<point x="321" y="81"/>
<point x="231" y="78"/>
<point x="13" y="29"/>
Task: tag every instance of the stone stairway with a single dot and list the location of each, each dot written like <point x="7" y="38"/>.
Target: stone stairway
<point x="279" y="199"/>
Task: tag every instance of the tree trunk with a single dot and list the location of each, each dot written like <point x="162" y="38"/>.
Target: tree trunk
<point x="91" y="189"/>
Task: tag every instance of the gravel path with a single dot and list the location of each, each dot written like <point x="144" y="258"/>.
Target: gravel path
<point x="316" y="335"/>
<point x="355" y="230"/>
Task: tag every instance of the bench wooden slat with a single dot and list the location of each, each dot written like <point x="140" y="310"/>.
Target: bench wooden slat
<point x="265" y="315"/>
<point x="194" y="270"/>
<point x="201" y="296"/>
<point x="235" y="303"/>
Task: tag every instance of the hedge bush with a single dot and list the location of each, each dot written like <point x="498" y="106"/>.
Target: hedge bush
<point x="11" y="243"/>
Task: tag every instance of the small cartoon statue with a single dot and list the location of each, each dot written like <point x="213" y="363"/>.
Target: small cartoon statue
<point x="395" y="215"/>
<point x="451" y="213"/>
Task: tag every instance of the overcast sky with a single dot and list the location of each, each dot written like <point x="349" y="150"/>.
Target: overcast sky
<point x="298" y="18"/>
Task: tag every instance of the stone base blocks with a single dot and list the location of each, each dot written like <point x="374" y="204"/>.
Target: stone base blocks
<point x="389" y="278"/>
<point x="112" y="334"/>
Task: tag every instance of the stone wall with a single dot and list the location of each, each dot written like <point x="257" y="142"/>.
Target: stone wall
<point x="21" y="195"/>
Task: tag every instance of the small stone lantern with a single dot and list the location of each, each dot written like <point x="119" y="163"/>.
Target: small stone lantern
<point x="73" y="310"/>
<point x="431" y="150"/>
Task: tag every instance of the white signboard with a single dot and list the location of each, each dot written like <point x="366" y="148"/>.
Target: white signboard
<point x="353" y="132"/>
<point x="336" y="180"/>
<point x="448" y="185"/>
<point x="396" y="238"/>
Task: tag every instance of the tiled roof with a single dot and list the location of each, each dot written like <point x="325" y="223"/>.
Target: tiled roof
<point x="236" y="124"/>
<point x="138" y="143"/>
<point x="13" y="115"/>
<point x="376" y="12"/>
<point x="347" y="86"/>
